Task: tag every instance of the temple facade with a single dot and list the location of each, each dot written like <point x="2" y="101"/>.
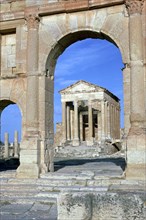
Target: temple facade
<point x="90" y="115"/>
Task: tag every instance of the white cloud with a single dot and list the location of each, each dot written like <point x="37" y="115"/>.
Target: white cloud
<point x="77" y="56"/>
<point x="68" y="82"/>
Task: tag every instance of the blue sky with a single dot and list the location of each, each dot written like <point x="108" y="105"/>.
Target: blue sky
<point x="94" y="60"/>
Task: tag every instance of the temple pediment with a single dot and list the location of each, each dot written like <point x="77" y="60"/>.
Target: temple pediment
<point x="80" y="87"/>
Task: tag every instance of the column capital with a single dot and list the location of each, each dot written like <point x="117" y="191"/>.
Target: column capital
<point x="134" y="6"/>
<point x="32" y="21"/>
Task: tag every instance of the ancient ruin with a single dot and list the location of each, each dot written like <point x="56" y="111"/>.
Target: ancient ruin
<point x="33" y="34"/>
<point x="90" y="115"/>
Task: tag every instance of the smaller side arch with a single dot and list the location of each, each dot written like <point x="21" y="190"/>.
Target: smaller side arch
<point x="4" y="102"/>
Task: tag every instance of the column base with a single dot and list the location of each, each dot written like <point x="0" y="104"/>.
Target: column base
<point x="136" y="154"/>
<point x="29" y="159"/>
<point x="76" y="142"/>
<point x="90" y="142"/>
<point x="136" y="172"/>
<point x="28" y="171"/>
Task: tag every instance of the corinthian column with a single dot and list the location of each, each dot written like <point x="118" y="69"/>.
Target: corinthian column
<point x="76" y="124"/>
<point x="32" y="72"/>
<point x="136" y="64"/>
<point x="64" y="124"/>
<point x="102" y="121"/>
<point x="68" y="122"/>
<point x="90" y="124"/>
<point x="30" y="146"/>
<point x="71" y="123"/>
<point x="108" y="121"/>
<point x="136" y="137"/>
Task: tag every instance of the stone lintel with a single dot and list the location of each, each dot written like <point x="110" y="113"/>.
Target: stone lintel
<point x="10" y="26"/>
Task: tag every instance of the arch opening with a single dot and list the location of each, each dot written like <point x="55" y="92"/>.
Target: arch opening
<point x="68" y="40"/>
<point x="63" y="46"/>
<point x="10" y="134"/>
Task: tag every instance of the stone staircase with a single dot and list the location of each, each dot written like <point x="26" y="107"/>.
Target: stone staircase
<point x="86" y="177"/>
<point x="47" y="188"/>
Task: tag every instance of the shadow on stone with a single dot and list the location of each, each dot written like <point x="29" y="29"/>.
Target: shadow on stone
<point x="9" y="164"/>
<point x="60" y="163"/>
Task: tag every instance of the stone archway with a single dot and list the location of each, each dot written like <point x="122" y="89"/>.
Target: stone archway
<point x="58" y="49"/>
<point x="48" y="29"/>
<point x="10" y="128"/>
<point x="3" y="105"/>
<point x="129" y="90"/>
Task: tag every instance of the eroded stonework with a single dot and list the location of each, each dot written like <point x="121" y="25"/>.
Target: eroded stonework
<point x="134" y="6"/>
<point x="29" y="51"/>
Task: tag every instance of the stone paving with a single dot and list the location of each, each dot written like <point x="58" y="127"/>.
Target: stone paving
<point x="28" y="199"/>
<point x="20" y="211"/>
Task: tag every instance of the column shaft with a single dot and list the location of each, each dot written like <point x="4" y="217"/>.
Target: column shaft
<point x="90" y="121"/>
<point x="71" y="123"/>
<point x="108" y="121"/>
<point x="102" y="121"/>
<point x="16" y="153"/>
<point x="112" y="120"/>
<point x="105" y="118"/>
<point x="6" y="145"/>
<point x="136" y="141"/>
<point x="30" y="147"/>
<point x="76" y="124"/>
<point x="81" y="126"/>
<point x="127" y="105"/>
<point x="68" y="122"/>
<point x="119" y="127"/>
<point x="32" y="74"/>
<point x="99" y="126"/>
<point x="137" y="71"/>
<point x="64" y="125"/>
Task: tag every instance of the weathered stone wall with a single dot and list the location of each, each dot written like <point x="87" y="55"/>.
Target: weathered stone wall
<point x="101" y="206"/>
<point x="12" y="5"/>
<point x="8" y="54"/>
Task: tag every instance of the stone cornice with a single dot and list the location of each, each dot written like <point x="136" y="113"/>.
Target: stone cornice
<point x="134" y="6"/>
<point x="59" y="7"/>
<point x="32" y="21"/>
<point x="8" y="26"/>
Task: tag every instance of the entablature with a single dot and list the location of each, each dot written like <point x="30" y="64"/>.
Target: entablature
<point x="59" y="6"/>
